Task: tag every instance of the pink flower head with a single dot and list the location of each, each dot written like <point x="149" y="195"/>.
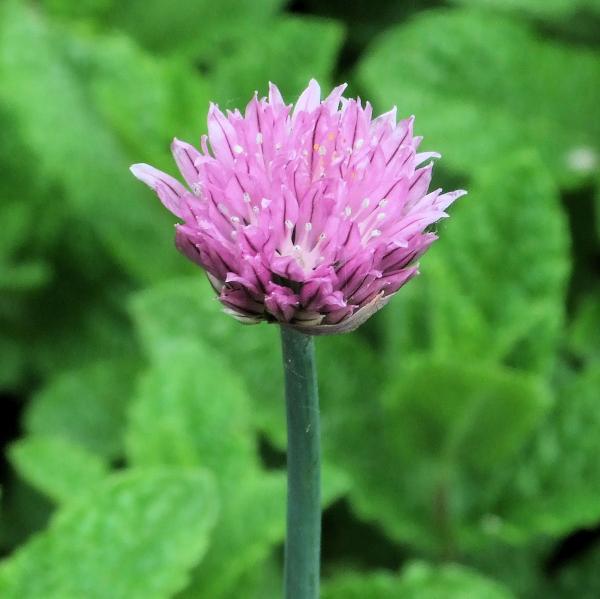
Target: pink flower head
<point x="311" y="215"/>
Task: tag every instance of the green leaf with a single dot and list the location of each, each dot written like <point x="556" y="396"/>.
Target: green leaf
<point x="74" y="326"/>
<point x="76" y="10"/>
<point x="35" y="61"/>
<point x="187" y="309"/>
<point x="135" y="536"/>
<point x="15" y="216"/>
<point x="544" y="9"/>
<point x="522" y="568"/>
<point x="23" y="201"/>
<point x="56" y="467"/>
<point x="31" y="220"/>
<point x="520" y="92"/>
<point x="353" y="585"/>
<point x="86" y="406"/>
<point x="199" y="29"/>
<point x="18" y="274"/>
<point x="451" y="581"/>
<point x="81" y="319"/>
<point x="191" y="409"/>
<point x="351" y="377"/>
<point x="480" y="421"/>
<point x="493" y="287"/>
<point x="252" y="522"/>
<point x="146" y="101"/>
<point x="264" y="580"/>
<point x="335" y="483"/>
<point x="24" y="276"/>
<point x="553" y="487"/>
<point x="435" y="441"/>
<point x="418" y="580"/>
<point x="288" y="51"/>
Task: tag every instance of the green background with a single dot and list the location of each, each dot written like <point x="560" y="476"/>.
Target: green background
<point x="144" y="430"/>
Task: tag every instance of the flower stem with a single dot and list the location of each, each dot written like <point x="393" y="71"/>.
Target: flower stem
<point x="303" y="539"/>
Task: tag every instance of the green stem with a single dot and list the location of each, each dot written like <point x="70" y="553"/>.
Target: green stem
<point x="303" y="539"/>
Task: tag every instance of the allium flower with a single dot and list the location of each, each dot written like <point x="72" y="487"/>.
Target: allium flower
<point x="312" y="216"/>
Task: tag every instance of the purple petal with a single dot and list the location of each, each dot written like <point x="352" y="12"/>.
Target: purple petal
<point x="281" y="302"/>
<point x="170" y="191"/>
<point x="309" y="100"/>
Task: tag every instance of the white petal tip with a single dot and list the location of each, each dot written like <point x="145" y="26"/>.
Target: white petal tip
<point x="143" y="172"/>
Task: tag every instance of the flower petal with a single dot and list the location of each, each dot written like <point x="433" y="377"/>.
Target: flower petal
<point x="170" y="191"/>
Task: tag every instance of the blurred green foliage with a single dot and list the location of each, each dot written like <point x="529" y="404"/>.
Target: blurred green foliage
<point x="145" y="430"/>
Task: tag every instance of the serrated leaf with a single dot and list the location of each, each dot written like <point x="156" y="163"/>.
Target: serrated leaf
<point x="482" y="418"/>
<point x="187" y="309"/>
<point x="86" y="406"/>
<point x="135" y="536"/>
<point x="191" y="409"/>
<point x="252" y="522"/>
<point x="56" y="467"/>
<point x="493" y="287"/>
<point x="418" y="580"/>
<point x="520" y="92"/>
<point x="440" y="431"/>
<point x="553" y="487"/>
